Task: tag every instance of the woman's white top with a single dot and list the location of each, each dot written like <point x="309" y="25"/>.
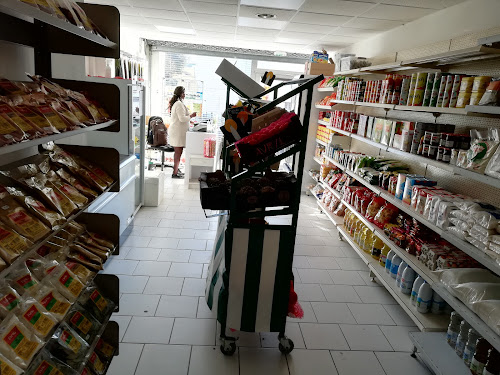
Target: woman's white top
<point x="179" y="125"/>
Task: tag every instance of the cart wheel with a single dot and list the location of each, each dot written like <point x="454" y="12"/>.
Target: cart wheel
<point x="228" y="348"/>
<point x="286" y="345"/>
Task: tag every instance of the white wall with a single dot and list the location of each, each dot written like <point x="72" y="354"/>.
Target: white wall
<point x="468" y="17"/>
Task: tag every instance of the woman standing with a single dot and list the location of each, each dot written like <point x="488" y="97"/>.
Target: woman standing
<point x="179" y="125"/>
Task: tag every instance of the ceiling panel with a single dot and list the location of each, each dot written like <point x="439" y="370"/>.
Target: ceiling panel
<point x="320" y="19"/>
<point x="212" y="18"/>
<point x="282" y="39"/>
<point x="339" y="39"/>
<point x="372" y="24"/>
<point x="261" y="23"/>
<point x="235" y="2"/>
<point x="279" y="4"/>
<point x="214" y="27"/>
<point x="210" y="8"/>
<point x="214" y="35"/>
<point x="138" y="27"/>
<point x="433" y="4"/>
<point x="299" y="36"/>
<point x="281" y="15"/>
<point x="305" y="27"/>
<point x="158" y="4"/>
<point x="256" y="38"/>
<point x="397" y="13"/>
<point x="170" y="23"/>
<point x="357" y="33"/>
<point x="254" y="31"/>
<point x="339" y="7"/>
<point x="126" y="10"/>
<point x="163" y="14"/>
<point x="134" y="19"/>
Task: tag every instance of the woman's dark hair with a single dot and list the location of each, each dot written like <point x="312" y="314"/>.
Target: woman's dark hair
<point x="179" y="90"/>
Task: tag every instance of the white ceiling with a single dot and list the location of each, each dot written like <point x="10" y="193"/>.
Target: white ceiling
<point x="299" y="26"/>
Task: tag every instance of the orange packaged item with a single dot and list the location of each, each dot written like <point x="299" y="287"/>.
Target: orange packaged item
<point x="67" y="115"/>
<point x="373" y="208"/>
<point x="385" y="215"/>
<point x="79" y="199"/>
<point x="17" y="218"/>
<point x="80" y="186"/>
<point x="32" y="115"/>
<point x="54" y="119"/>
<point x="12" y="244"/>
<point x="9" y="132"/>
<point x="30" y="129"/>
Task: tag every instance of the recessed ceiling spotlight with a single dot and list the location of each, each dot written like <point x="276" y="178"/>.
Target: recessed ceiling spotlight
<point x="266" y="16"/>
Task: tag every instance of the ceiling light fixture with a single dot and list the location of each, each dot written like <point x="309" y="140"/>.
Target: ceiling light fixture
<point x="266" y="16"/>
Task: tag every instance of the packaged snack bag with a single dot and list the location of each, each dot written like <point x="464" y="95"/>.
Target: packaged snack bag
<point x="385" y="215"/>
<point x="52" y="300"/>
<point x="9" y="299"/>
<point x="34" y="315"/>
<point x="66" y="282"/>
<point x="482" y="149"/>
<point x="17" y="218"/>
<point x="83" y="323"/>
<point x="82" y="272"/>
<point x="12" y="244"/>
<point x="32" y="115"/>
<point x="105" y="350"/>
<point x="101" y="251"/>
<point x="8" y="368"/>
<point x="67" y="115"/>
<point x="46" y="364"/>
<point x="72" y="193"/>
<point x="373" y="208"/>
<point x="30" y="130"/>
<point x="98" y="305"/>
<point x="96" y="364"/>
<point x="22" y="280"/>
<point x="67" y="346"/>
<point x="76" y="183"/>
<point x="9" y="132"/>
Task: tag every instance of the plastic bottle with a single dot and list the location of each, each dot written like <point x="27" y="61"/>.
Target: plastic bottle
<point x="438" y="304"/>
<point x="383" y="255"/>
<point x="357" y="231"/>
<point x="462" y="338"/>
<point x="364" y="239"/>
<point x="454" y="329"/>
<point x="377" y="246"/>
<point x="493" y="364"/>
<point x="470" y="346"/>
<point x="388" y="261"/>
<point x="395" y="262"/>
<point x="424" y="299"/>
<point x="407" y="280"/>
<point x="480" y="357"/>
<point x="414" y="291"/>
<point x="399" y="275"/>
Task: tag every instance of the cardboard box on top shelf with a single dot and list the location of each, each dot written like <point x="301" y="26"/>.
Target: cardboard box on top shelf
<point x="319" y="68"/>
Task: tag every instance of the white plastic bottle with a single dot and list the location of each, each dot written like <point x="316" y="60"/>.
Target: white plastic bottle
<point x="416" y="286"/>
<point x="438" y="304"/>
<point x="424" y="299"/>
<point x="395" y="262"/>
<point x="401" y="269"/>
<point x="407" y="280"/>
<point x="388" y="261"/>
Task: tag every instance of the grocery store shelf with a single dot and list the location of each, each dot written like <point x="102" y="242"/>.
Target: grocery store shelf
<point x="336" y="220"/>
<point x="369" y="141"/>
<point x="437" y="354"/>
<point x="317" y="160"/>
<point x="376" y="105"/>
<point x="347" y="72"/>
<point x="479" y="52"/>
<point x="321" y="142"/>
<point x="331" y="89"/>
<point x="326" y="123"/>
<point x="54" y="137"/>
<point x="422" y="159"/>
<point x="312" y="176"/>
<point x="340" y="131"/>
<point x="332" y="190"/>
<point x="495" y="182"/>
<point x="453" y="111"/>
<point x="348" y="102"/>
<point x="360" y="216"/>
<point x="327" y="107"/>
<point x="485" y="109"/>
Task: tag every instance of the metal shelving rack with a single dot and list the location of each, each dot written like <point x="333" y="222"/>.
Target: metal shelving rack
<point x="27" y="26"/>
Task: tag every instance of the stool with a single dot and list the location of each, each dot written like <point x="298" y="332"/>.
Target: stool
<point x="163" y="149"/>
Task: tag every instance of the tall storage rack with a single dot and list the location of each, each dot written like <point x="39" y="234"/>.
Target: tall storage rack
<point x="244" y="304"/>
<point x="28" y="28"/>
<point x="479" y="60"/>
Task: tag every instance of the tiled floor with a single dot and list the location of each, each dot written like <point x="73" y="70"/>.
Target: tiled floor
<point x="351" y="325"/>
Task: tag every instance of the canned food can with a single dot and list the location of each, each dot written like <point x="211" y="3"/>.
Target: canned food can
<point x="421" y="81"/>
<point x="442" y="86"/>
<point x="405" y="89"/>
<point x="428" y="89"/>
<point x="447" y="91"/>
<point x="454" y="90"/>
<point x="435" y="90"/>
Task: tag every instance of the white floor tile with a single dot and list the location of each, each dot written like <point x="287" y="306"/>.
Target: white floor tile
<point x="330" y="251"/>
<point x="120" y="267"/>
<point x="351" y="264"/>
<point x="155" y="232"/>
<point x="365" y="337"/>
<point x="262" y="361"/>
<point x="124" y="250"/>
<point x="300" y="262"/>
<point x="146" y="222"/>
<point x="399" y="316"/>
<point x="193" y="287"/>
<point x="342" y="277"/>
<point x="308" y="362"/>
<point x="398" y="337"/>
<point x="174" y="255"/>
<point x="177" y="307"/>
<point x="204" y="234"/>
<point x="163" y="359"/>
<point x="164" y="285"/>
<point x="371" y="313"/>
<point x="340" y="293"/>
<point x="208" y="360"/>
<point x="171" y="223"/>
<point x="126" y="362"/>
<point x="200" y="256"/>
<point x="204" y="311"/>
<point x="324" y="263"/>
<point x="243" y="339"/>
<point x="186" y="270"/>
<point x="349" y="252"/>
<point x="292" y="331"/>
<point x="309" y="240"/>
<point x="358" y="363"/>
<point x="164" y="243"/>
<point x="310" y="276"/>
<point x="143" y="253"/>
<point x="394" y="362"/>
<point x="137" y="241"/>
<point x="309" y="292"/>
<point x="323" y="336"/>
<point x="138" y="305"/>
<point x="305" y="250"/>
<point x="162" y="215"/>
<point x="123" y="322"/>
<point x="192" y="224"/>
<point x="132" y="284"/>
<point x="152" y="268"/>
<point x="371" y="294"/>
<point x="149" y="330"/>
<point x="327" y="312"/>
<point x="192" y="244"/>
<point x="365" y="275"/>
<point x="309" y="316"/>
<point x="181" y="233"/>
<point x="193" y="331"/>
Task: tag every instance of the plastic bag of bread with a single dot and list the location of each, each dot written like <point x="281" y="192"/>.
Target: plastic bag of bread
<point x="46" y="364"/>
<point x="66" y="282"/>
<point x="72" y="193"/>
<point x="83" y="323"/>
<point x="12" y="244"/>
<point x="96" y="364"/>
<point x="34" y="315"/>
<point x="49" y="248"/>
<point x="105" y="350"/>
<point x="75" y="228"/>
<point x="98" y="305"/>
<point x="22" y="280"/>
<point x="82" y="272"/>
<point x="52" y="300"/>
<point x="8" y="368"/>
<point x="9" y="299"/>
<point x="19" y="344"/>
<point x="17" y="218"/>
<point x="77" y="110"/>
<point x="85" y="257"/>
<point x="30" y="130"/>
<point x="105" y="177"/>
<point x="76" y="183"/>
<point x="9" y="132"/>
<point x="68" y="346"/>
<point x="452" y="277"/>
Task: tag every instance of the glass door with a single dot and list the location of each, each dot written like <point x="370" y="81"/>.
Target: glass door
<point x="138" y="132"/>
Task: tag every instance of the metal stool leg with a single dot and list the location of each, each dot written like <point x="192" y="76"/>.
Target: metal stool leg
<point x="162" y="160"/>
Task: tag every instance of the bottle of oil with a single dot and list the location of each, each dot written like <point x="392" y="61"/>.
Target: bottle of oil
<point x="480" y="357"/>
<point x="383" y="255"/>
<point x="377" y="246"/>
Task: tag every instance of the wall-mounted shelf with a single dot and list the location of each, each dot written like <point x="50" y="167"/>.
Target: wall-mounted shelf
<point x="326" y="89"/>
<point x="326" y="107"/>
<point x="317" y="161"/>
<point x="322" y="122"/>
<point x="321" y="142"/>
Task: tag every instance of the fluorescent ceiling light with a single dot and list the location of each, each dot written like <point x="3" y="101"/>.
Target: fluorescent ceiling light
<point x="261" y="23"/>
<point x="175" y="30"/>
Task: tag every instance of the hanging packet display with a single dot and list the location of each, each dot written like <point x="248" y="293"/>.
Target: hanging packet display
<point x="8" y="368"/>
<point x="12" y="244"/>
<point x="96" y="364"/>
<point x="52" y="300"/>
<point x="72" y="193"/>
<point x="34" y="315"/>
<point x="46" y="364"/>
<point x="83" y="323"/>
<point x="9" y="132"/>
<point x="22" y="280"/>
<point x="17" y="218"/>
<point x="9" y="299"/>
<point x="30" y="130"/>
<point x="80" y="186"/>
<point x="66" y="282"/>
<point x="97" y="304"/>
<point x="32" y="115"/>
<point x="67" y="346"/>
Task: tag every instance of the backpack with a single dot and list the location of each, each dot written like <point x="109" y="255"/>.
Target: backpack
<point x="157" y="132"/>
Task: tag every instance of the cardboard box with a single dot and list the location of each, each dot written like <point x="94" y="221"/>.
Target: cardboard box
<point x="319" y="68"/>
<point x="266" y="119"/>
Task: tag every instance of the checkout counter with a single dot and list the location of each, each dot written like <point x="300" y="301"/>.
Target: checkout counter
<point x="196" y="162"/>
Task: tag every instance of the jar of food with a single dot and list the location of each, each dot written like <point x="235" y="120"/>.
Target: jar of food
<point x="435" y="138"/>
<point x="446" y="155"/>
<point x="439" y="156"/>
<point x="432" y="153"/>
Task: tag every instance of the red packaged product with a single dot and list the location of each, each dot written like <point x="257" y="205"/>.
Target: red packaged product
<point x="54" y="118"/>
<point x="385" y="215"/>
<point x="30" y="129"/>
<point x="374" y="207"/>
<point x="36" y="118"/>
<point x="9" y="132"/>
